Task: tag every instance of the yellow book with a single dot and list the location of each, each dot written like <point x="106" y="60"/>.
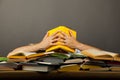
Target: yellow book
<point x="65" y="30"/>
<point x="94" y="68"/>
<point x="115" y="68"/>
<point x="28" y="55"/>
<point x="69" y="68"/>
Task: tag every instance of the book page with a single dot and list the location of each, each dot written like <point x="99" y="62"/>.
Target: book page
<point x="29" y="53"/>
<point x="23" y="53"/>
<point x="94" y="52"/>
<point x="110" y="53"/>
<point x="97" y="54"/>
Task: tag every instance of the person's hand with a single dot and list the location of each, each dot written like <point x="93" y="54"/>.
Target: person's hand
<point x="68" y="40"/>
<point x="49" y="40"/>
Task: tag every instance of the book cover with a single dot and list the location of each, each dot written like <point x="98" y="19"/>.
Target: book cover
<point x="115" y="68"/>
<point x="38" y="67"/>
<point x="94" y="65"/>
<point x="65" y="30"/>
<point x="74" y="61"/>
<point x="53" y="59"/>
<point x="3" y="59"/>
<point x="50" y="60"/>
<point x="27" y="55"/>
<point x="69" y="68"/>
<point x="10" y="66"/>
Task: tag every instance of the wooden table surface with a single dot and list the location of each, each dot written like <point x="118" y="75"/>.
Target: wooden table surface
<point x="57" y="75"/>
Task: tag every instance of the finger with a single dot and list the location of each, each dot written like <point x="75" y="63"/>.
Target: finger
<point x="46" y="35"/>
<point x="53" y="44"/>
<point x="62" y="37"/>
<point x="62" y="40"/>
<point x="55" y="37"/>
<point x="57" y="43"/>
<point x="55" y="40"/>
<point x="70" y="33"/>
<point x="64" y="34"/>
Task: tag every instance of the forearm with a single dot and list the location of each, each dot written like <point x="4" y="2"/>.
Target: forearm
<point x="82" y="46"/>
<point x="29" y="48"/>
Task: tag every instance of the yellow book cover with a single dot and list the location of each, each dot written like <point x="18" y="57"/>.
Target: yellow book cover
<point x="65" y="30"/>
<point x="69" y="68"/>
<point x="28" y="55"/>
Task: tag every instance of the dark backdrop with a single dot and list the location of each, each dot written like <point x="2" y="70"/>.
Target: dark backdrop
<point x="97" y="22"/>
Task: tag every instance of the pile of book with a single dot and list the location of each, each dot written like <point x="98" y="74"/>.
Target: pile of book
<point x="8" y="66"/>
<point x="101" y="60"/>
<point x="86" y="60"/>
<point x="63" y="58"/>
<point x="46" y="61"/>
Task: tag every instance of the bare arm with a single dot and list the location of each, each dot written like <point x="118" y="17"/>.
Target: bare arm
<point x="45" y="43"/>
<point x="73" y="43"/>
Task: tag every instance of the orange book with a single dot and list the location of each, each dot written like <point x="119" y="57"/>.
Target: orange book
<point x="28" y="55"/>
<point x="59" y="46"/>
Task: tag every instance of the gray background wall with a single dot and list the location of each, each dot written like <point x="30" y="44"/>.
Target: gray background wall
<point x="97" y="22"/>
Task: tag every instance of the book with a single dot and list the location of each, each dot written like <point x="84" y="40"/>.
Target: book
<point x="59" y="46"/>
<point x="3" y="59"/>
<point x="60" y="55"/>
<point x="115" y="68"/>
<point x="50" y="60"/>
<point x="113" y="65"/>
<point x="26" y="56"/>
<point x="33" y="66"/>
<point x="101" y="54"/>
<point x="100" y="69"/>
<point x="69" y="68"/>
<point x="94" y="66"/>
<point x="53" y="59"/>
<point x="74" y="61"/>
<point x="18" y="60"/>
<point x="5" y="66"/>
<point x="76" y="55"/>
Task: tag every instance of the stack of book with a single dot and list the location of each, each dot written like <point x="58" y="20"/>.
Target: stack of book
<point x="101" y="60"/>
<point x="8" y="66"/>
<point x="53" y="56"/>
<point x="64" y="58"/>
<point x="45" y="63"/>
<point x="73" y="63"/>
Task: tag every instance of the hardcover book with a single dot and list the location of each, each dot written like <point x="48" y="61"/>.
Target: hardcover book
<point x="94" y="65"/>
<point x="24" y="56"/>
<point x="6" y="66"/>
<point x="38" y="67"/>
<point x="101" y="55"/>
<point x="69" y="68"/>
<point x="59" y="46"/>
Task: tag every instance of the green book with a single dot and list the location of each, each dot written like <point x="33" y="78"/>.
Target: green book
<point x="60" y="55"/>
<point x="74" y="55"/>
<point x="3" y="59"/>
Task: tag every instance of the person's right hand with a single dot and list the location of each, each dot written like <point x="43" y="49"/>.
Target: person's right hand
<point x="49" y="40"/>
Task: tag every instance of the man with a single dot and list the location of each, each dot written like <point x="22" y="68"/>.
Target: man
<point x="48" y="41"/>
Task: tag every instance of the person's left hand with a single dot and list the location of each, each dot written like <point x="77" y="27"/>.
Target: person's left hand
<point x="68" y="40"/>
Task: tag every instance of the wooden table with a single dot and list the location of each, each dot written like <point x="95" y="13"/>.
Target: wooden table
<point x="29" y="75"/>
